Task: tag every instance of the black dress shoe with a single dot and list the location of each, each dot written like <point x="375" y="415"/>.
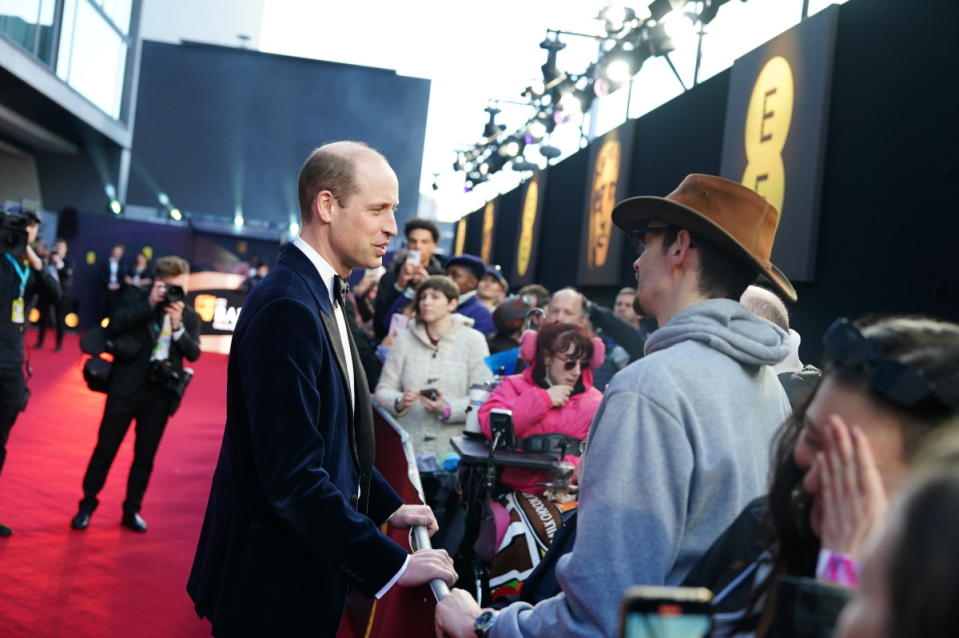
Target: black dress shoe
<point x="5" y="531"/>
<point x="132" y="520"/>
<point x="81" y="520"/>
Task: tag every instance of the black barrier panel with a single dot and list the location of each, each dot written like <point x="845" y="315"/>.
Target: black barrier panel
<point x="890" y="197"/>
<point x="474" y="232"/>
<point x="526" y="240"/>
<point x="506" y="231"/>
<point x="219" y="309"/>
<point x="680" y="137"/>
<point x="561" y="221"/>
<point x="607" y="178"/>
<point x="459" y="236"/>
<point x="775" y="136"/>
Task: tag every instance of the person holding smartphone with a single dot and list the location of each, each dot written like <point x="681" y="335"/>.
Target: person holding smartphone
<point x="431" y="366"/>
<point x="409" y="268"/>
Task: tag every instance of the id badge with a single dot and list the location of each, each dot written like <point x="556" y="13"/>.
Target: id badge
<point x="16" y="314"/>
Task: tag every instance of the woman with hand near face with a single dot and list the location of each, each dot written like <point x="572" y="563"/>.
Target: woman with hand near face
<point x="430" y="367"/>
<point x="910" y="576"/>
<point x="792" y="558"/>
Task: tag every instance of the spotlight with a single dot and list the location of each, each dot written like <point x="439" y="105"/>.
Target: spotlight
<point x="570" y="103"/>
<point x="294" y="229"/>
<point x="536" y="131"/>
<point x="616" y="16"/>
<point x="175" y="214"/>
<point x="164" y="199"/>
<point x="553" y="46"/>
<point x="535" y="89"/>
<point x="657" y="41"/>
<point x="522" y="164"/>
<point x="491" y="130"/>
<point x="510" y="149"/>
<point x="71" y="320"/>
<point x="659" y="8"/>
<point x="484" y="169"/>
<point x="115" y="206"/>
<point x="618" y="71"/>
<point x="549" y="152"/>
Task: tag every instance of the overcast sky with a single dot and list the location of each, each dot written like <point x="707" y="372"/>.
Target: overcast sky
<point x="475" y="51"/>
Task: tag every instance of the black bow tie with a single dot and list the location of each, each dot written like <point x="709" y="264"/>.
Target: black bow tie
<point x="340" y="288"/>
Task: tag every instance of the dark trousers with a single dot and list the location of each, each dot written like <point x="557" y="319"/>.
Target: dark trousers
<point x="11" y="398"/>
<point x="47" y="310"/>
<point x="150" y="407"/>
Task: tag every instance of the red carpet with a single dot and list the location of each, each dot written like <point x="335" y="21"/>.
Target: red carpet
<point x="106" y="581"/>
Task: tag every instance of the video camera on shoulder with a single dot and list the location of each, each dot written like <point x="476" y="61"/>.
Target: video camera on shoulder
<point x="13" y="230"/>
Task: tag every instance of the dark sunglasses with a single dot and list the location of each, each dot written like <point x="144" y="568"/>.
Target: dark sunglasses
<point x="637" y="236"/>
<point x="890" y="379"/>
<point x="569" y="364"/>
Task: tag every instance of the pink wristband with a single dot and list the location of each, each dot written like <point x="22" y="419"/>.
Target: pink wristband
<point x="838" y="568"/>
<point x="447" y="410"/>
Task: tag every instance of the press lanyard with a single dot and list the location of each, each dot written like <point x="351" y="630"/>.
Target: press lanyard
<point x="23" y="271"/>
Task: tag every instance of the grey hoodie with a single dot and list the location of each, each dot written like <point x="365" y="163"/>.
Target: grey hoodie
<point x="679" y="446"/>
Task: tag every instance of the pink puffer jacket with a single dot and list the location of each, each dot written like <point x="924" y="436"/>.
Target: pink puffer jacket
<point x="533" y="414"/>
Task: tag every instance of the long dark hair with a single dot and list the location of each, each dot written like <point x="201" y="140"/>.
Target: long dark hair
<point x="928" y="346"/>
<point x="555" y="338"/>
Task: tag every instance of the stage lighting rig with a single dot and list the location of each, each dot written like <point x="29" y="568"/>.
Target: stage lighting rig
<point x="550" y="69"/>
<point x="492" y="129"/>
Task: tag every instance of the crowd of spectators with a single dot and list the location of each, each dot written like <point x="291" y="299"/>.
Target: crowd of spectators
<point x="707" y="453"/>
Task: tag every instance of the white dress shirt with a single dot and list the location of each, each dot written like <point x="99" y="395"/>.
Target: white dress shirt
<point x="326" y="274"/>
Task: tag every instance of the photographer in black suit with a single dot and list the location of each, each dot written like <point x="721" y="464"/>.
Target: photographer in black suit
<point x="21" y="276"/>
<point x="153" y="331"/>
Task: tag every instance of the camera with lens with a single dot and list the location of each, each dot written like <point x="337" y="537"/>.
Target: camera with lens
<point x="13" y="231"/>
<point x="164" y="375"/>
<point x="173" y="294"/>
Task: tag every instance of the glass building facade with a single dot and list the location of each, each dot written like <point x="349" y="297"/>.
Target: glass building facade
<point x="85" y="42"/>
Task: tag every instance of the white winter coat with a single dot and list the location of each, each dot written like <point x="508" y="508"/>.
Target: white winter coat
<point x="452" y="366"/>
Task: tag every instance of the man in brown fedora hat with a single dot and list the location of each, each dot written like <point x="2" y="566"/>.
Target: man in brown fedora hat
<point x="680" y="444"/>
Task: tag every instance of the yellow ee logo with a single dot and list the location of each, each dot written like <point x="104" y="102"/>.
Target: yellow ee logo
<point x="767" y="127"/>
<point x="488" y="218"/>
<point x="526" y="227"/>
<point x="602" y="197"/>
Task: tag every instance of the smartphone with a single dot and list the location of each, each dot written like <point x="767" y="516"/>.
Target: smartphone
<point x="430" y="393"/>
<point x="414" y="256"/>
<point x="398" y="322"/>
<point x="666" y="612"/>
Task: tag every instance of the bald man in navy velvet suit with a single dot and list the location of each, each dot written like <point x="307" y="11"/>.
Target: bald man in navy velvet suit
<point x="295" y="505"/>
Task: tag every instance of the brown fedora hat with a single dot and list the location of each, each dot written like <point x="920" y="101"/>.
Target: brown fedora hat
<point x="730" y="215"/>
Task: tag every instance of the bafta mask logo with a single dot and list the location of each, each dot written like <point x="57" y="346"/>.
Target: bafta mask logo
<point x="602" y="198"/>
<point x="527" y="223"/>
<point x="205" y="306"/>
<point x="488" y="218"/>
<point x="767" y="127"/>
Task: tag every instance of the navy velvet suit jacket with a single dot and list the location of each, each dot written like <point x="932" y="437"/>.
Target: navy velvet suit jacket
<point x="284" y="533"/>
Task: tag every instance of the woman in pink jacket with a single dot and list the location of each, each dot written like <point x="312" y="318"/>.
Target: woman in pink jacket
<point x="554" y="395"/>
